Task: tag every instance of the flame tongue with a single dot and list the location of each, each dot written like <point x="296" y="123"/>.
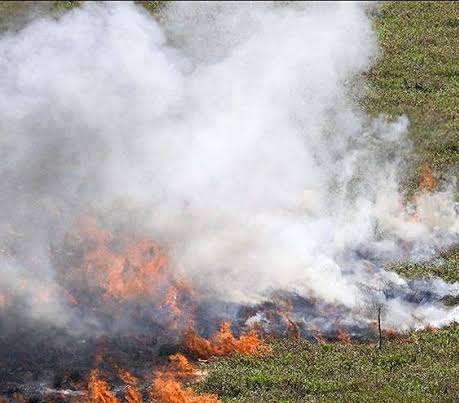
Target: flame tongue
<point x="129" y="274"/>
<point x="428" y="181"/>
<point x="167" y="385"/>
<point x="99" y="391"/>
<point x="168" y="390"/>
<point x="182" y="367"/>
<point x="224" y="343"/>
<point x="132" y="393"/>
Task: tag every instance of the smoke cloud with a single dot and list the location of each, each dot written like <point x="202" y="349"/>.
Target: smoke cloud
<point x="231" y="134"/>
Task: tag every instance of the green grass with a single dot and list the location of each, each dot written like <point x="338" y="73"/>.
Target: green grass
<point x="421" y="368"/>
<point x="15" y="14"/>
<point x="446" y="266"/>
<point x="417" y="74"/>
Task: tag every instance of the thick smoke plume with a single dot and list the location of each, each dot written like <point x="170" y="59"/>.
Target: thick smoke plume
<point x="228" y="133"/>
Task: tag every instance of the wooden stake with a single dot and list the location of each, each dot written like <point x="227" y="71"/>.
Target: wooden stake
<point x="379" y="328"/>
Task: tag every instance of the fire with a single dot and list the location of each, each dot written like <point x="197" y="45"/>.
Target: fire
<point x="167" y="386"/>
<point x="132" y="393"/>
<point x="168" y="390"/>
<point x="224" y="343"/>
<point x="293" y="330"/>
<point x="319" y="336"/>
<point x="127" y="269"/>
<point x="99" y="391"/>
<point x="171" y="301"/>
<point x="395" y="336"/>
<point x="391" y="334"/>
<point x="430" y="329"/>
<point x="3" y="302"/>
<point x="344" y="336"/>
<point x="428" y="181"/>
<point x="124" y="269"/>
<point x="182" y="367"/>
<point x="19" y="398"/>
<point x="129" y="274"/>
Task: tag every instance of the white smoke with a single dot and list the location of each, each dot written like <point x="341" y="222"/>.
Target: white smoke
<point x="230" y="133"/>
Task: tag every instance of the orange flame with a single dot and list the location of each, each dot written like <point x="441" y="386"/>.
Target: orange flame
<point x="224" y="343"/>
<point x="182" y="367"/>
<point x="171" y="301"/>
<point x="166" y="389"/>
<point x="3" y="302"/>
<point x="132" y="393"/>
<point x="293" y="330"/>
<point x="127" y="275"/>
<point x="428" y="181"/>
<point x="18" y="397"/>
<point x="344" y="336"/>
<point x="99" y="391"/>
<point x="318" y="336"/>
<point x="431" y="329"/>
<point x="131" y="269"/>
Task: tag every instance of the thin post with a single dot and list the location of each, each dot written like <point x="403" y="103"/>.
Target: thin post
<point x="379" y="328"/>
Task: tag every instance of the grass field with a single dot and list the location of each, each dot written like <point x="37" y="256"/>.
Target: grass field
<point x="417" y="74"/>
<point x="421" y="368"/>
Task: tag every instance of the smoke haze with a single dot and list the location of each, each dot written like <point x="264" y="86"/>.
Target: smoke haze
<point x="228" y="133"/>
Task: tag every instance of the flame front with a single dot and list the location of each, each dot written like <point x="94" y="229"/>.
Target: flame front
<point x="132" y="393"/>
<point x="98" y="389"/>
<point x="126" y="275"/>
<point x="166" y="389"/>
<point x="181" y="367"/>
<point x="428" y="181"/>
<point x="224" y="343"/>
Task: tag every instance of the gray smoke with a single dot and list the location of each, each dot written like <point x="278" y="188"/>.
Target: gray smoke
<point x="230" y="133"/>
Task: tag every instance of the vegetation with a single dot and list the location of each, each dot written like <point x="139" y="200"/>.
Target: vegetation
<point x="446" y="266"/>
<point x="423" y="367"/>
<point x="15" y="14"/>
<point x="418" y="75"/>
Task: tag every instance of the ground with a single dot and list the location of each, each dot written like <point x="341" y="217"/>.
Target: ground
<point x="423" y="367"/>
<point x="417" y="74"/>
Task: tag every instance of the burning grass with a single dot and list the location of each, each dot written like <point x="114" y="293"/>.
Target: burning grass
<point x="167" y="389"/>
<point x="223" y="343"/>
<point x="421" y="367"/>
<point x="99" y="390"/>
<point x="132" y="392"/>
<point x="168" y="386"/>
<point x="128" y="274"/>
<point x="417" y="367"/>
<point x="170" y="383"/>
